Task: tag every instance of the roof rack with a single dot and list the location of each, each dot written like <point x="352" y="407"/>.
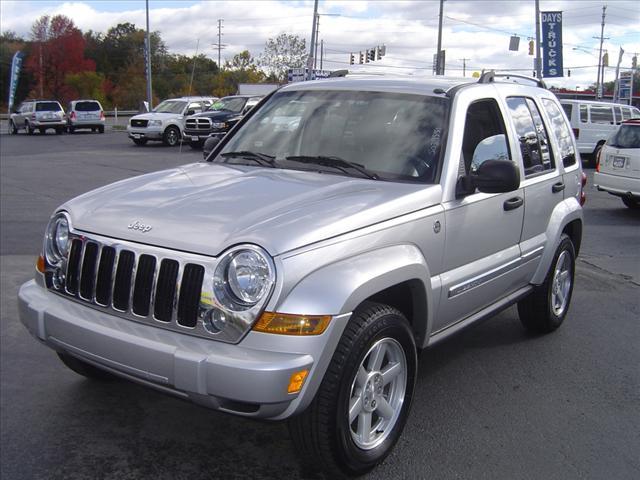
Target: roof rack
<point x="490" y="76"/>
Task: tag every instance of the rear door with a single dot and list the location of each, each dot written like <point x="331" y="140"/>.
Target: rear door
<point x="543" y="184"/>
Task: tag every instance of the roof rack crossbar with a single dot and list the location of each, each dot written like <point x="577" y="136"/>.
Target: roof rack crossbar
<point x="490" y="76"/>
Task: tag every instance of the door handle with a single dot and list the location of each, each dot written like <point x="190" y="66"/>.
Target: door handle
<point x="557" y="187"/>
<point x="512" y="203"/>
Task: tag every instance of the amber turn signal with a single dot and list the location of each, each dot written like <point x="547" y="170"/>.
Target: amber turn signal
<point x="287" y="324"/>
<point x="40" y="264"/>
<point x="296" y="381"/>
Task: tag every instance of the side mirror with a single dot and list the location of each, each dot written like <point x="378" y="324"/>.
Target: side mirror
<point x="209" y="144"/>
<point x="497" y="176"/>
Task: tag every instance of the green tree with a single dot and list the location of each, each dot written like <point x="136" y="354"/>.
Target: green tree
<point x="10" y="43"/>
<point x="88" y="85"/>
<point x="281" y="53"/>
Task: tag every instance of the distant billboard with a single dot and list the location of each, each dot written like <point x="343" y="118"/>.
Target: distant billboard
<point x="552" y="44"/>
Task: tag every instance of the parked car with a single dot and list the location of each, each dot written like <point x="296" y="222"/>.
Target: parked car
<point x="297" y="273"/>
<point x="618" y="164"/>
<point x="593" y="122"/>
<point x="39" y="115"/>
<point x="166" y="121"/>
<point x="218" y="119"/>
<point x="85" y="114"/>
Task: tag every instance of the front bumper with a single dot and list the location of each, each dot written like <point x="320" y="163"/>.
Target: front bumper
<point x="618" y="185"/>
<point x="149" y="133"/>
<point x="248" y="379"/>
<point x="198" y="136"/>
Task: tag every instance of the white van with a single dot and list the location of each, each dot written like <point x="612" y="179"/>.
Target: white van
<point x="593" y="122"/>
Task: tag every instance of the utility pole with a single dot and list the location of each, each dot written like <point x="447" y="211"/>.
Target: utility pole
<point x="219" y="45"/>
<point x="600" y="79"/>
<point x="538" y="55"/>
<point x="149" y="96"/>
<point x="41" y="72"/>
<point x="321" y="52"/>
<point x="439" y="62"/>
<point x="315" y="47"/>
<point x="464" y="66"/>
<point x="312" y="44"/>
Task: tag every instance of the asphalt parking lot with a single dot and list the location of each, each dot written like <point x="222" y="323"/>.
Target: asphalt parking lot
<point x="492" y="403"/>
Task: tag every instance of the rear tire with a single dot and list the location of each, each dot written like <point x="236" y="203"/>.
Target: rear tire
<point x="171" y="136"/>
<point x="101" y="129"/>
<point x="140" y="141"/>
<point x="85" y="369"/>
<point x="631" y="203"/>
<point x="71" y="129"/>
<point x="30" y="130"/>
<point x="42" y="131"/>
<point x="544" y="310"/>
<point x="362" y="404"/>
<point x="12" y="128"/>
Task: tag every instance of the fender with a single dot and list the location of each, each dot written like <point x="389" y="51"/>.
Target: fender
<point x="564" y="213"/>
<point x="340" y="287"/>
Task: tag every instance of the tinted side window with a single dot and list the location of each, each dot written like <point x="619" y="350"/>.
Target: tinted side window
<point x="584" y="114"/>
<point x="533" y="146"/>
<point x="562" y="132"/>
<point x="627" y="136"/>
<point x="567" y="107"/>
<point x="601" y="114"/>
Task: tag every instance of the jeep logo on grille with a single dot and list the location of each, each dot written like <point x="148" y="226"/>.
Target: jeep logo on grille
<point x="139" y="226"/>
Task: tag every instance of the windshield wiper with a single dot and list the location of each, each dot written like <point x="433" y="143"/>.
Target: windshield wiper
<point x="336" y="162"/>
<point x="260" y="158"/>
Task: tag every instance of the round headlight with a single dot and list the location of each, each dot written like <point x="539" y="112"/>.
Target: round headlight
<point x="57" y="239"/>
<point x="243" y="278"/>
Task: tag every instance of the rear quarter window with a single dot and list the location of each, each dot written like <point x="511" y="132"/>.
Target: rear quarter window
<point x="561" y="131"/>
<point x="584" y="114"/>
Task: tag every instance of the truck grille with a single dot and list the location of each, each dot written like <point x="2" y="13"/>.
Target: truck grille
<point x="136" y="285"/>
<point x="139" y="123"/>
<point x="198" y="124"/>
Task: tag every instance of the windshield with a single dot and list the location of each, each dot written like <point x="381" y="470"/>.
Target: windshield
<point x="232" y="104"/>
<point x="627" y="136"/>
<point x="396" y="136"/>
<point x="48" y="107"/>
<point x="170" y="106"/>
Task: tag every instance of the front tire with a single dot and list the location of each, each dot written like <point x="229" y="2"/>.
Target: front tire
<point x="543" y="311"/>
<point x="12" y="128"/>
<point x="30" y="130"/>
<point x="85" y="369"/>
<point x="362" y="404"/>
<point x="171" y="136"/>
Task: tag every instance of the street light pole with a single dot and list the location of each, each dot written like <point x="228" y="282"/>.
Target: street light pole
<point x="600" y="80"/>
<point x="538" y="55"/>
<point x="439" y="62"/>
<point x="312" y="44"/>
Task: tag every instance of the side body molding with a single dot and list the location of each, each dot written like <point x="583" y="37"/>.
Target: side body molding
<point x="341" y="286"/>
<point x="564" y="213"/>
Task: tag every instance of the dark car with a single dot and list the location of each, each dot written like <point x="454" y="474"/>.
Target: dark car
<point x="218" y="119"/>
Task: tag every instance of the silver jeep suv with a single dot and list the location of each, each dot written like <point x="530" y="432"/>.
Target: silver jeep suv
<point x="39" y="115"/>
<point x="297" y="272"/>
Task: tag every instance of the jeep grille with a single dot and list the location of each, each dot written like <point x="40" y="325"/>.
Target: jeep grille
<point x="138" y="285"/>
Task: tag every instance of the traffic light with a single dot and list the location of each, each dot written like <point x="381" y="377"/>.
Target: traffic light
<point x="361" y="58"/>
<point x="366" y="56"/>
<point x="605" y="59"/>
<point x="568" y="73"/>
<point x="634" y="62"/>
<point x="372" y="55"/>
<point x="531" y="47"/>
<point x="352" y="59"/>
<point x="379" y="53"/>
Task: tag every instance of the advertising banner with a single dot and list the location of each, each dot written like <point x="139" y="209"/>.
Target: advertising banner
<point x="16" y="63"/>
<point x="551" y="44"/>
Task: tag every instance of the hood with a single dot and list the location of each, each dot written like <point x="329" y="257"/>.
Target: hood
<point x="157" y="116"/>
<point x="218" y="115"/>
<point x="205" y="208"/>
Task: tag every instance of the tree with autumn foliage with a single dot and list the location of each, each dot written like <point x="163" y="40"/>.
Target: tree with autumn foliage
<point x="57" y="51"/>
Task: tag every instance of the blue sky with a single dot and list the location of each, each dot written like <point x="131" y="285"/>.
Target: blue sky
<point x="477" y="30"/>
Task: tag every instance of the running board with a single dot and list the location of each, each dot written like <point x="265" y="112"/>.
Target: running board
<point x="489" y="311"/>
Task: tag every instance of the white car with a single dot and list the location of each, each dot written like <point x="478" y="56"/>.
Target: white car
<point x="618" y="164"/>
<point x="166" y="122"/>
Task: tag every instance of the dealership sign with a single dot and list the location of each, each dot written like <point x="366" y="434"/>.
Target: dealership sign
<point x="552" y="44"/>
